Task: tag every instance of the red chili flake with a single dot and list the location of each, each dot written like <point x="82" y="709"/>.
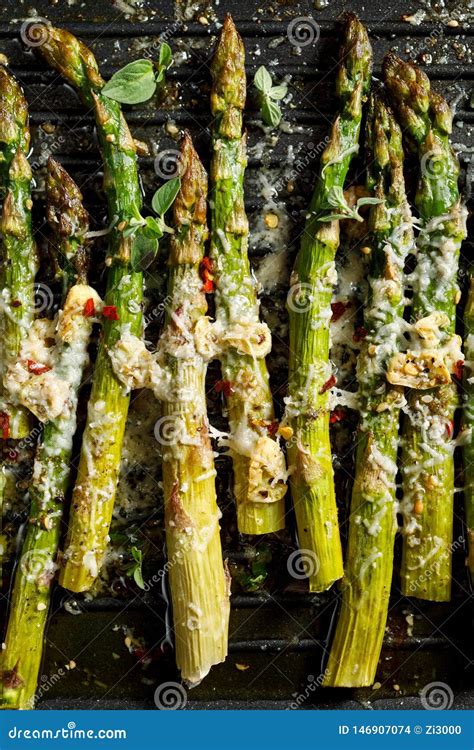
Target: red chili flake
<point x="12" y="455"/>
<point x="272" y="428"/>
<point x="359" y="333"/>
<point x="5" y="425"/>
<point x="223" y="386"/>
<point x="16" y="303"/>
<point x="337" y="416"/>
<point x="328" y="384"/>
<point x="206" y="274"/>
<point x="89" y="308"/>
<point x="338" y="310"/>
<point x="458" y="368"/>
<point x="110" y="312"/>
<point x="208" y="286"/>
<point x="450" y="429"/>
<point x="207" y="264"/>
<point x="36" y="368"/>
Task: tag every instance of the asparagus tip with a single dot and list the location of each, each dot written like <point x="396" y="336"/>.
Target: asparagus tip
<point x="66" y="215"/>
<point x="228" y="69"/>
<point x="353" y="80"/>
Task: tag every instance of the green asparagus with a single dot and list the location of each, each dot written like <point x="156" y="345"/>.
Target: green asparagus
<point x="95" y="489"/>
<point x="258" y="461"/>
<point x="309" y="307"/>
<point x="21" y="658"/>
<point x="427" y="448"/>
<point x="468" y="424"/>
<point x="368" y="569"/>
<point x="18" y="253"/>
<point x="198" y="580"/>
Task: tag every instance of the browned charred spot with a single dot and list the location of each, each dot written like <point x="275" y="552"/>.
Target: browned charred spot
<point x="11" y="679"/>
<point x="177" y="518"/>
<point x="15" y="303"/>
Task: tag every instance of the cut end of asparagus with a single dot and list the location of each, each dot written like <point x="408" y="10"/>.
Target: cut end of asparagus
<point x="67" y="217"/>
<point x="353" y="78"/>
<point x="229" y="86"/>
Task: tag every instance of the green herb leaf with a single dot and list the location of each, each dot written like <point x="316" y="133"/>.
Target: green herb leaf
<point x="144" y="250"/>
<point x="263" y="80"/>
<point x="132" y="84"/>
<point x="271" y="112"/>
<point x="278" y="92"/>
<point x="165" y="195"/>
<point x="138" y="578"/>
<point x="368" y="202"/>
<point x="164" y="62"/>
<point x="166" y="56"/>
<point x="135" y="569"/>
<point x="154" y="226"/>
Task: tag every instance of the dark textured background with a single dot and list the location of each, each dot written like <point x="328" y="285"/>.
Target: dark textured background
<point x="279" y="632"/>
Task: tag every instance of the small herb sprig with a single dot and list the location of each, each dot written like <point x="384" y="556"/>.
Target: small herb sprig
<point x="135" y="569"/>
<point x="337" y="200"/>
<point x="152" y="228"/>
<point x="269" y="95"/>
<point x="137" y="81"/>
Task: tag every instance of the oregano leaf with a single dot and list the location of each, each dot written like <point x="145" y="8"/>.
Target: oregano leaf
<point x="132" y="84"/>
<point x="165" y="195"/>
<point x="271" y="112"/>
<point x="263" y="80"/>
<point x="278" y="92"/>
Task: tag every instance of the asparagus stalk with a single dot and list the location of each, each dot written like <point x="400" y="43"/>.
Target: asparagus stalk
<point x="427" y="448"/>
<point x="95" y="489"/>
<point x="309" y="307"/>
<point x="18" y="253"/>
<point x="21" y="658"/>
<point x="258" y="462"/>
<point x="468" y="423"/>
<point x="198" y="580"/>
<point x="368" y="569"/>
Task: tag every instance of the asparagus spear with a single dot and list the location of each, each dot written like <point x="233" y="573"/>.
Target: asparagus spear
<point x="468" y="423"/>
<point x="18" y="254"/>
<point x="427" y="460"/>
<point x="368" y="570"/>
<point x="21" y="658"/>
<point x="94" y="493"/>
<point x="198" y="581"/>
<point x="309" y="307"/>
<point x="258" y="462"/>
